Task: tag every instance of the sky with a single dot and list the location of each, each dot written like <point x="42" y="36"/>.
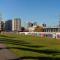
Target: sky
<point x="40" y="11"/>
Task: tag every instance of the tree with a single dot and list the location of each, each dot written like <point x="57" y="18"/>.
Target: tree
<point x="22" y="29"/>
<point x="38" y="29"/>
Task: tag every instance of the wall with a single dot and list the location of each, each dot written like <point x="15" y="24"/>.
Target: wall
<point x="43" y="34"/>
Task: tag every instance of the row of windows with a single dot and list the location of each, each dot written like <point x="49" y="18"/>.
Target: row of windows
<point x="52" y="30"/>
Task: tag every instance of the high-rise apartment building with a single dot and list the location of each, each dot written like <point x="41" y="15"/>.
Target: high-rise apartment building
<point x="8" y="25"/>
<point x="16" y="24"/>
<point x="1" y="23"/>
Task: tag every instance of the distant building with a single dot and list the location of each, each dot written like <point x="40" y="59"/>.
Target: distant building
<point x="16" y="24"/>
<point x="31" y="29"/>
<point x="51" y="29"/>
<point x="0" y="25"/>
<point x="44" y="25"/>
<point x="8" y="25"/>
<point x="0" y="22"/>
<point x="30" y="24"/>
<point x="35" y="24"/>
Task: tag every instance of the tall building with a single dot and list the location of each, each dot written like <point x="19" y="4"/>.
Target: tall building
<point x="8" y="25"/>
<point x="1" y="22"/>
<point x="0" y="25"/>
<point x="16" y="24"/>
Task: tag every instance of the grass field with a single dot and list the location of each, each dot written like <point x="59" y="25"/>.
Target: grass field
<point x="31" y="47"/>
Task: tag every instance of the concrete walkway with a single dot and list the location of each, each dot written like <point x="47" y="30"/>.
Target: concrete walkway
<point x="6" y="54"/>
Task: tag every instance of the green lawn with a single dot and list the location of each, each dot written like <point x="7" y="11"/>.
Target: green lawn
<point x="30" y="46"/>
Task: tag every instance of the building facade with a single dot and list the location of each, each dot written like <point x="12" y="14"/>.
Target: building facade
<point x="16" y="24"/>
<point x="51" y="29"/>
<point x="30" y="24"/>
<point x="0" y="25"/>
<point x="8" y="25"/>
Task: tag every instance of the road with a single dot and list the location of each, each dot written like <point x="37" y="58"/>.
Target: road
<point x="6" y="54"/>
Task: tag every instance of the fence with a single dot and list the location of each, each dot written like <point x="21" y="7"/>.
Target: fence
<point x="43" y="34"/>
<point x="40" y="34"/>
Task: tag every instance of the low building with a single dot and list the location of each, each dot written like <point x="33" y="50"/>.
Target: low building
<point x="31" y="29"/>
<point x="51" y="29"/>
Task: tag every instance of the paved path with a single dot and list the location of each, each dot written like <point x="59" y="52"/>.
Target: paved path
<point x="6" y="54"/>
